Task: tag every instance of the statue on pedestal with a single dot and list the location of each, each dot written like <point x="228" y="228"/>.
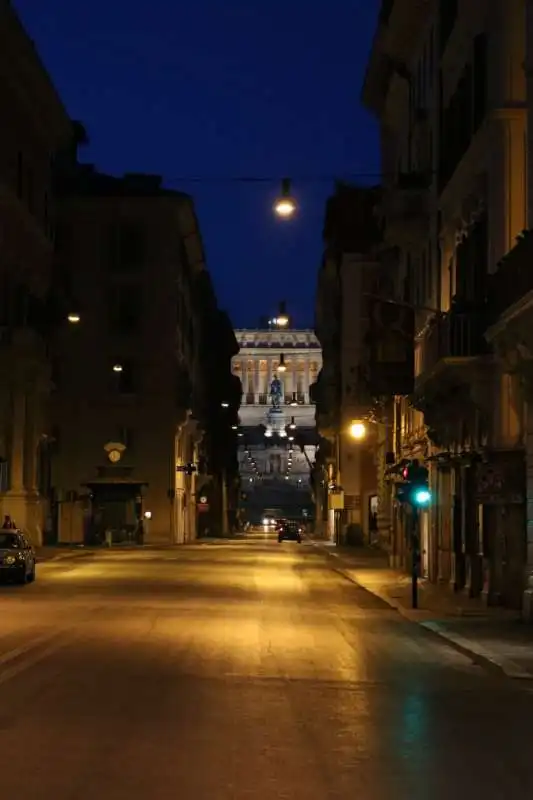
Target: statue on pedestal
<point x="276" y="392"/>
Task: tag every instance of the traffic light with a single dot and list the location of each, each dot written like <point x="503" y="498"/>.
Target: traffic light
<point x="415" y="488"/>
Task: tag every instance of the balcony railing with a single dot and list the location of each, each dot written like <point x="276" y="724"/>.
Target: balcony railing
<point x="453" y="335"/>
<point x="514" y="277"/>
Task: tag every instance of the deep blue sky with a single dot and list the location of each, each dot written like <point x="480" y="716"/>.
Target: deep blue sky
<point x="216" y="90"/>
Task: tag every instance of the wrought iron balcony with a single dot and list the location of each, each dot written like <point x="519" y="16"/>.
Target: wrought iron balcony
<point x="513" y="279"/>
<point x="450" y="337"/>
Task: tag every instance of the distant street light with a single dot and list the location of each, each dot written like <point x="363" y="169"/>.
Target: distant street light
<point x="282" y="367"/>
<point x="117" y="368"/>
<point x="73" y="318"/>
<point x="285" y="205"/>
<point x="225" y="405"/>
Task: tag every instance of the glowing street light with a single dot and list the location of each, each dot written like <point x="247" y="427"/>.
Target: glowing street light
<point x="117" y="367"/>
<point x="224" y="404"/>
<point x="358" y="430"/>
<point x="285" y="205"/>
<point x="73" y="318"/>
<point x="282" y="367"/>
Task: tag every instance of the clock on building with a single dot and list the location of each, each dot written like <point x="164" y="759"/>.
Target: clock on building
<point x="114" y="456"/>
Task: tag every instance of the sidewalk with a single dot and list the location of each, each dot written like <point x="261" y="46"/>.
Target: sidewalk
<point x="495" y="637"/>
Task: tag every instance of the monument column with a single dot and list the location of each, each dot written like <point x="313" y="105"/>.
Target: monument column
<point x="257" y="388"/>
<point x="294" y="372"/>
<point x="307" y="379"/>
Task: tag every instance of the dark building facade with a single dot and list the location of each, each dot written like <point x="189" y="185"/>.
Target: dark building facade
<point x="35" y="130"/>
<point x="132" y="406"/>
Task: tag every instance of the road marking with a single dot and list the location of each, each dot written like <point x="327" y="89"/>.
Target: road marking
<point x="10" y="655"/>
<point x="16" y="669"/>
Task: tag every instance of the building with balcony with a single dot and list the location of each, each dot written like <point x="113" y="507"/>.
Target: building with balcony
<point x="277" y="438"/>
<point x="35" y="130"/>
<point x="446" y="81"/>
<point x="349" y="274"/>
<point x="133" y="395"/>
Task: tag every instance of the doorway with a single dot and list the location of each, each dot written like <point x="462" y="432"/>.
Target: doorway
<point x="372" y="519"/>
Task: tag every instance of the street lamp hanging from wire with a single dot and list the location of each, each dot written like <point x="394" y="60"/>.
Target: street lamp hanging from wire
<point x="285" y="205"/>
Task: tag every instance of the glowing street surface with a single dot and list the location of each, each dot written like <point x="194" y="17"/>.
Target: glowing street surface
<point x="241" y="670"/>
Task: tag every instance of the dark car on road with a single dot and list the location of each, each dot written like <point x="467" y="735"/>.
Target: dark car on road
<point x="17" y="557"/>
<point x="290" y="531"/>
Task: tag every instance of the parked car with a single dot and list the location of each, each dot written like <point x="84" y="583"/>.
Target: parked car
<point x="17" y="556"/>
<point x="290" y="531"/>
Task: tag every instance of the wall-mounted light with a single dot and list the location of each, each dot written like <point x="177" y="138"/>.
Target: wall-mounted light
<point x="73" y="318"/>
<point x="224" y="404"/>
<point x="148" y="515"/>
<point x="117" y="367"/>
<point x="282" y="367"/>
<point x="358" y="430"/>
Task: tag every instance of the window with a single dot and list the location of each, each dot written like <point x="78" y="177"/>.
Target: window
<point x="30" y="191"/>
<point x="447" y="18"/>
<point x="125" y="247"/>
<point x="125" y="308"/>
<point x="124" y="435"/>
<point x="20" y="176"/>
<point x="480" y="80"/>
<point x="125" y="377"/>
<point x="4" y="475"/>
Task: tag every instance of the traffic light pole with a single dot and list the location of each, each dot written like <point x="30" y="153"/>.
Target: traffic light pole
<point x="415" y="555"/>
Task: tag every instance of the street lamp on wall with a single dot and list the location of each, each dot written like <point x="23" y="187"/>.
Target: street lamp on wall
<point x="282" y="367"/>
<point x="358" y="430"/>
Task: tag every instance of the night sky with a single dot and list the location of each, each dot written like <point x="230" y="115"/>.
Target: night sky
<point x="205" y="92"/>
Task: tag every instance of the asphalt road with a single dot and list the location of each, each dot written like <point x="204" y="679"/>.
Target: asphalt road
<point x="243" y="670"/>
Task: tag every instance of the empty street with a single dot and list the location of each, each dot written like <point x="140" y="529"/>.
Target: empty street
<point x="244" y="669"/>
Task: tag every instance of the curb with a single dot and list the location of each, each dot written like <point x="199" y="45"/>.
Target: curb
<point x="464" y="646"/>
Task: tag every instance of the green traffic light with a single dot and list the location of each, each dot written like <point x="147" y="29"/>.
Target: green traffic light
<point x="422" y="497"/>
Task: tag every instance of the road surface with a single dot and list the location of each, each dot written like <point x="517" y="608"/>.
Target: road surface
<point x="247" y="670"/>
